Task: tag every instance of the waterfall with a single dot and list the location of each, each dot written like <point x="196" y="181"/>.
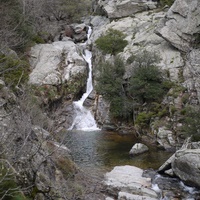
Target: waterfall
<point x="84" y="119"/>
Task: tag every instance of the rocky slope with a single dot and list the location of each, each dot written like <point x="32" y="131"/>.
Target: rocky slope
<point x="170" y="33"/>
<point x="174" y="35"/>
<point x="59" y="72"/>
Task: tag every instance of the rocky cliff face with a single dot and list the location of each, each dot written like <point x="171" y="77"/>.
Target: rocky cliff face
<point x="181" y="25"/>
<point x="181" y="28"/>
<point x="173" y="35"/>
<point x="118" y="9"/>
<point x="29" y="153"/>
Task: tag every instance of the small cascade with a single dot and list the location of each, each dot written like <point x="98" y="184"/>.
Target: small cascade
<point x="84" y="119"/>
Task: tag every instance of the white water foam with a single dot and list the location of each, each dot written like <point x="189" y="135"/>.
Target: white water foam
<point x="84" y="119"/>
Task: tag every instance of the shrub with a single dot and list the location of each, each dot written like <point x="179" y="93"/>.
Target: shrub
<point x="110" y="80"/>
<point x="111" y="86"/>
<point x="9" y="190"/>
<point x="143" y="119"/>
<point x="146" y="83"/>
<point x="130" y="59"/>
<point x="191" y="123"/>
<point x="112" y="42"/>
<point x="14" y="71"/>
<point x="166" y="2"/>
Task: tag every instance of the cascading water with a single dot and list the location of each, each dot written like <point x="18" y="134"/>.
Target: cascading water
<point x="84" y="119"/>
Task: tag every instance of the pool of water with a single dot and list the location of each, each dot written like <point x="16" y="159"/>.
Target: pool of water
<point x="97" y="152"/>
<point x="104" y="150"/>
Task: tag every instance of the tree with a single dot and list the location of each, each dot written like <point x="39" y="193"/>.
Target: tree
<point x="191" y="123"/>
<point x="111" y="86"/>
<point x="145" y="84"/>
<point x="112" y="42"/>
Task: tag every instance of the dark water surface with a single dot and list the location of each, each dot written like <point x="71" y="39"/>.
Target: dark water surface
<point x="104" y="150"/>
<point x="97" y="152"/>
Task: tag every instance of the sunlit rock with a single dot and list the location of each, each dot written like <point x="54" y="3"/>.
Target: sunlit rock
<point x="138" y="148"/>
<point x="128" y="181"/>
<point x="181" y="24"/>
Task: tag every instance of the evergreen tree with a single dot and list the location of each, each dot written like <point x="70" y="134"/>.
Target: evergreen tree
<point x="112" y="42"/>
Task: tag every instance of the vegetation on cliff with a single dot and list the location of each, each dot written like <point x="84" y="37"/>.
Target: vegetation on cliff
<point x="112" y="42"/>
<point x="31" y="165"/>
<point x="146" y="85"/>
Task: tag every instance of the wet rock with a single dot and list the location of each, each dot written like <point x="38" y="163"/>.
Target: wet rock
<point x="80" y="37"/>
<point x="126" y="182"/>
<point x="79" y="28"/>
<point x="138" y="148"/>
<point x="167" y="164"/>
<point x="186" y="166"/>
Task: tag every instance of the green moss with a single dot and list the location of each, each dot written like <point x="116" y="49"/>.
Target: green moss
<point x="130" y="59"/>
<point x="163" y="112"/>
<point x="173" y="109"/>
<point x="166" y="2"/>
<point x="185" y="98"/>
<point x="66" y="166"/>
<point x="180" y="76"/>
<point x="176" y="91"/>
<point x="183" y="111"/>
<point x="167" y="85"/>
<point x="191" y="122"/>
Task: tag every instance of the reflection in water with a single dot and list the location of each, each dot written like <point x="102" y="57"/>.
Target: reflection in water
<point x="98" y="152"/>
<point x="106" y="150"/>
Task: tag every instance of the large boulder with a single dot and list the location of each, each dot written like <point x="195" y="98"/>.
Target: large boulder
<point x="181" y="23"/>
<point x="56" y="63"/>
<point x="165" y="138"/>
<point x="184" y="163"/>
<point x="186" y="166"/>
<point x="138" y="148"/>
<point x="120" y="8"/>
<point x="126" y="182"/>
<point x="78" y="32"/>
